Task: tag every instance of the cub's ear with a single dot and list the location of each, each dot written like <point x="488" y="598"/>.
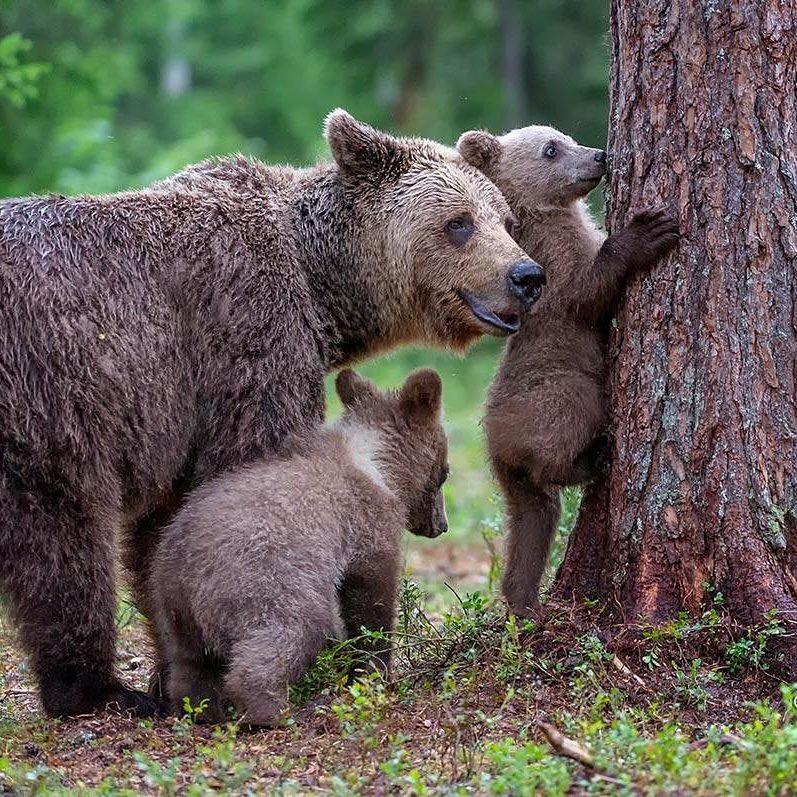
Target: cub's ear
<point x="359" y="150"/>
<point x="420" y="397"/>
<point x="352" y="388"/>
<point x="479" y="148"/>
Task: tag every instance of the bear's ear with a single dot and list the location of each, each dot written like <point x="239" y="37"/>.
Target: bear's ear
<point x="421" y="396"/>
<point x="360" y="150"/>
<point x="479" y="148"/>
<point x="353" y="388"/>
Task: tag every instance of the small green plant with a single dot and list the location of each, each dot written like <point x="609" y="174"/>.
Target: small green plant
<point x="217" y="766"/>
<point x="492" y="530"/>
<point x="523" y="770"/>
<point x="157" y="775"/>
<point x="690" y="685"/>
<point x="751" y="650"/>
<point x="192" y="713"/>
<point x="362" y="708"/>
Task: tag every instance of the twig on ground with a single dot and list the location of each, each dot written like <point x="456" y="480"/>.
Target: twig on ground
<point x="16" y="693"/>
<point x="607" y="779"/>
<point x="726" y="739"/>
<point x="626" y="670"/>
<point x="565" y="746"/>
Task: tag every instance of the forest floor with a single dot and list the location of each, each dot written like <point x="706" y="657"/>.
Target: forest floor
<point x="477" y="703"/>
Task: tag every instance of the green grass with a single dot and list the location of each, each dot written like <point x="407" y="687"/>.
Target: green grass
<point x="463" y="714"/>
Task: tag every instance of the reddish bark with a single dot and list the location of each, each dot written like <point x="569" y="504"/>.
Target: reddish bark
<point x="703" y="362"/>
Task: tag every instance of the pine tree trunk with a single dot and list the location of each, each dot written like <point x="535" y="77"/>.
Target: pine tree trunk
<point x="703" y="360"/>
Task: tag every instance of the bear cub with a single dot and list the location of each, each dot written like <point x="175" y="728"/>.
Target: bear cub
<point x="545" y="411"/>
<point x="262" y="566"/>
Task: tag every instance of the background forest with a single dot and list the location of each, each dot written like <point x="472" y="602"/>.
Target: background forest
<point x="101" y="96"/>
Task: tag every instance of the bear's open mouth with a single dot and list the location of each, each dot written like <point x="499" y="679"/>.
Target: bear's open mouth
<point x="506" y="323"/>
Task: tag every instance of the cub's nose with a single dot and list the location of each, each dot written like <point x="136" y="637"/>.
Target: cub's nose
<point x="600" y="156"/>
<point x="526" y="278"/>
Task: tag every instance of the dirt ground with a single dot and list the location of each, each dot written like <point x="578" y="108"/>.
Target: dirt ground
<point x="464" y="716"/>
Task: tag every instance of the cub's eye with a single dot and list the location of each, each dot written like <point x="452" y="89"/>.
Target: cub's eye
<point x="550" y="151"/>
<point x="510" y="223"/>
<point x="443" y="477"/>
<point x="459" y="229"/>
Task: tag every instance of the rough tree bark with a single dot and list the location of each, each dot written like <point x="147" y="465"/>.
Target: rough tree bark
<point x="703" y="359"/>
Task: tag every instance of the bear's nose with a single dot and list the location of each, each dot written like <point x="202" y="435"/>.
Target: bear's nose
<point x="600" y="156"/>
<point x="526" y="278"/>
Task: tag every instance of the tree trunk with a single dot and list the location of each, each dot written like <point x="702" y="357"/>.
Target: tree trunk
<point x="703" y="360"/>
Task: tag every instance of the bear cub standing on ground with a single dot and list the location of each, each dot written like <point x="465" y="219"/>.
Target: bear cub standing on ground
<point x="265" y="564"/>
<point x="545" y="409"/>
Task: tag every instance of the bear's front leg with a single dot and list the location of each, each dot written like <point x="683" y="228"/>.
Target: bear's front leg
<point x="368" y="601"/>
<point x="650" y="234"/>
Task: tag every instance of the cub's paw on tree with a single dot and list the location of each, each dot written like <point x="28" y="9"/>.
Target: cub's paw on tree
<point x="651" y="233"/>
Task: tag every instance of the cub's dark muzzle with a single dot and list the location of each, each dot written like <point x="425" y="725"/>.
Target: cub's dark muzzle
<point x="526" y="280"/>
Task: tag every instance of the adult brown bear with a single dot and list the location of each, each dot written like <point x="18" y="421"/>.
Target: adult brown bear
<point x="153" y="338"/>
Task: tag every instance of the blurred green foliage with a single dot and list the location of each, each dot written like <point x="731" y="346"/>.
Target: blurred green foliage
<point x="98" y="95"/>
<point x="101" y="95"/>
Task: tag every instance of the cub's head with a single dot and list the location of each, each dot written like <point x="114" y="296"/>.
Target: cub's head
<point x="400" y="433"/>
<point x="535" y="166"/>
<point x="449" y="269"/>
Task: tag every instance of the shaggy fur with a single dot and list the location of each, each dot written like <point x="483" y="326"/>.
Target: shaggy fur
<point x="546" y="410"/>
<point x="154" y="338"/>
<point x="263" y="565"/>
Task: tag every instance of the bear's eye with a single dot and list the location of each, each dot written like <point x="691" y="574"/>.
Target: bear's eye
<point x="550" y="151"/>
<point x="443" y="476"/>
<point x="459" y="229"/>
<point x="510" y="223"/>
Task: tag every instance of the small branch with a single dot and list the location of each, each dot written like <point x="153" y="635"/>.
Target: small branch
<point x="626" y="670"/>
<point x="727" y="739"/>
<point x="566" y="747"/>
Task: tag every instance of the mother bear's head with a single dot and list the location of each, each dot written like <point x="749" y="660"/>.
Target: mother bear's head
<point x="443" y="230"/>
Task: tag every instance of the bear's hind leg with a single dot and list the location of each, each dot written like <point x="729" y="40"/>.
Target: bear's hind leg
<point x="532" y="517"/>
<point x="266" y="663"/>
<point x="57" y="573"/>
<point x="138" y="551"/>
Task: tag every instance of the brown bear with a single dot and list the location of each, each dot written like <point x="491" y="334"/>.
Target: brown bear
<point x="154" y="338"/>
<point x="265" y="564"/>
<point x="545" y="409"/>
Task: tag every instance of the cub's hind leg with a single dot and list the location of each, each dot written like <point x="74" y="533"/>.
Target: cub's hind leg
<point x="265" y="664"/>
<point x="532" y="517"/>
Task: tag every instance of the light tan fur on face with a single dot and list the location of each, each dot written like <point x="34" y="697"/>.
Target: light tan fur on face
<point x="417" y="186"/>
<point x="441" y="269"/>
<point x="517" y="162"/>
<point x="545" y="409"/>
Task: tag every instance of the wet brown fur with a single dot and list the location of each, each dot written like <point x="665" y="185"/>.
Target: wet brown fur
<point x="546" y="410"/>
<point x="154" y="338"/>
<point x="263" y="565"/>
